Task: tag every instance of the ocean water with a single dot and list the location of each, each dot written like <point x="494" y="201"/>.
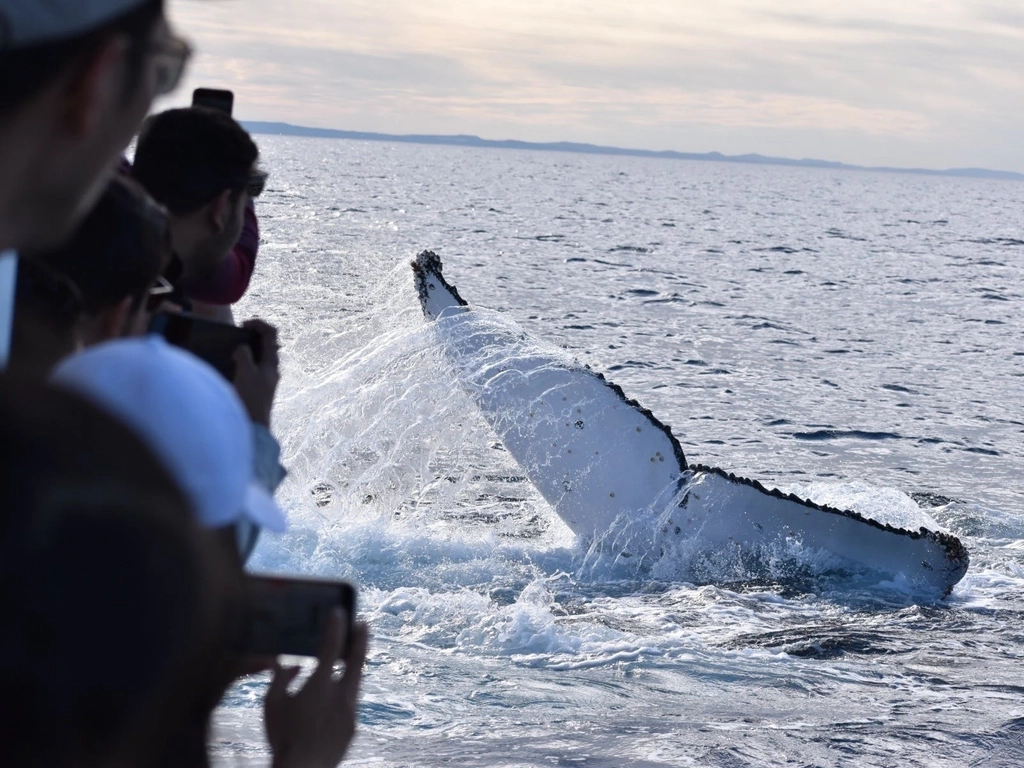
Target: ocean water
<point x="854" y="337"/>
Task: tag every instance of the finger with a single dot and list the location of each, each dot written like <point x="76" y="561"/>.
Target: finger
<point x="333" y="642"/>
<point x="271" y="358"/>
<point x="354" y="662"/>
<point x="263" y="328"/>
<point x="258" y="324"/>
<point x="268" y="340"/>
<point x="271" y="347"/>
<point x="283" y="677"/>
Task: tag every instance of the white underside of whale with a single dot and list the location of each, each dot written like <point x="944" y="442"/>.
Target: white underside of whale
<point x="600" y="459"/>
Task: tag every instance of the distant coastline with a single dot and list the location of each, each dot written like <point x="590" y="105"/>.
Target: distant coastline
<point x="286" y="129"/>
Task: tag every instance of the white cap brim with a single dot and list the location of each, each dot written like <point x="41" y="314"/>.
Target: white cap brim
<point x="262" y="510"/>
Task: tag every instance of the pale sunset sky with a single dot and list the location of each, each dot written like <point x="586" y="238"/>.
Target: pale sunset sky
<point x="924" y="83"/>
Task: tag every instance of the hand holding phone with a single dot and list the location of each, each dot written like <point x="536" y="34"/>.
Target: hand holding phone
<point x="208" y="340"/>
<point x="256" y="382"/>
<point x="316" y="724"/>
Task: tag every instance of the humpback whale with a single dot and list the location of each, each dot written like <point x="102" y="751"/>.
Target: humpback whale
<point x="602" y="461"/>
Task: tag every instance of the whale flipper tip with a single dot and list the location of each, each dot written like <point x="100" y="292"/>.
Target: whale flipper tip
<point x="434" y="291"/>
<point x="427" y="261"/>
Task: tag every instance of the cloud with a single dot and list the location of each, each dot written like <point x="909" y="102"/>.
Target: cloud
<point x="929" y="79"/>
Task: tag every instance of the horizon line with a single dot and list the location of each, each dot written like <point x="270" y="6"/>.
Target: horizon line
<point x="467" y="140"/>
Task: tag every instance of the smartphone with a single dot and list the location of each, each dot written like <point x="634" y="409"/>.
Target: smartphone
<point x="288" y="616"/>
<point x="208" y="340"/>
<point x="214" y="98"/>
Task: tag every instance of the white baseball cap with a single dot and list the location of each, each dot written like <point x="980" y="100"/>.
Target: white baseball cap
<point x="188" y="414"/>
<point x="24" y="23"/>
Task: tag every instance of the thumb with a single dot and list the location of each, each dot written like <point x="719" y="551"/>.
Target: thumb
<point x="283" y="677"/>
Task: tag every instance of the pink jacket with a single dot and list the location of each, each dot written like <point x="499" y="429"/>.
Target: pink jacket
<point x="231" y="283"/>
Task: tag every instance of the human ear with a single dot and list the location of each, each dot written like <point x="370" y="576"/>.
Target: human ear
<point x="92" y="92"/>
<point x="105" y="325"/>
<point x="113" y="323"/>
<point x="220" y="210"/>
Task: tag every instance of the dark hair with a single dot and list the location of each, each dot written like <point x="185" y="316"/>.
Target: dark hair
<point x="103" y="579"/>
<point x="24" y="72"/>
<point x="117" y="252"/>
<point x="186" y="157"/>
<point x="48" y="292"/>
<point x="46" y="311"/>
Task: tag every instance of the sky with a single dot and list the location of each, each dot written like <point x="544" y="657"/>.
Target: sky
<point x="910" y="83"/>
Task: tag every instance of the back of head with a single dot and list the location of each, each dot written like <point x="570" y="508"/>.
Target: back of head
<point x="117" y="252"/>
<point x="47" y="310"/>
<point x="186" y="157"/>
<point x="102" y="604"/>
<point x="105" y="587"/>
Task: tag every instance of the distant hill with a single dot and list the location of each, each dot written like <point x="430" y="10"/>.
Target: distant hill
<point x="286" y="129"/>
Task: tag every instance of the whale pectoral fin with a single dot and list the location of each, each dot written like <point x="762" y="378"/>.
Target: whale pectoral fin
<point x="436" y="294"/>
<point x="597" y="456"/>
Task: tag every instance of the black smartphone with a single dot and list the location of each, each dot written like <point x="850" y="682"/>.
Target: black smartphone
<point x="208" y="340"/>
<point x="289" y="615"/>
<point x="214" y="98"/>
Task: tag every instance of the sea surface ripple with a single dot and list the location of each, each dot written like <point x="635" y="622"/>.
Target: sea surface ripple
<point x="855" y="337"/>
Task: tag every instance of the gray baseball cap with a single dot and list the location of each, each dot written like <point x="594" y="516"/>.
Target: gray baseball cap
<point x="25" y="23"/>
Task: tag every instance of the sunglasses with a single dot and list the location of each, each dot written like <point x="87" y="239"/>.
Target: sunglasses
<point x="158" y="293"/>
<point x="257" y="183"/>
<point x="170" y="58"/>
<point x="247" y="534"/>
